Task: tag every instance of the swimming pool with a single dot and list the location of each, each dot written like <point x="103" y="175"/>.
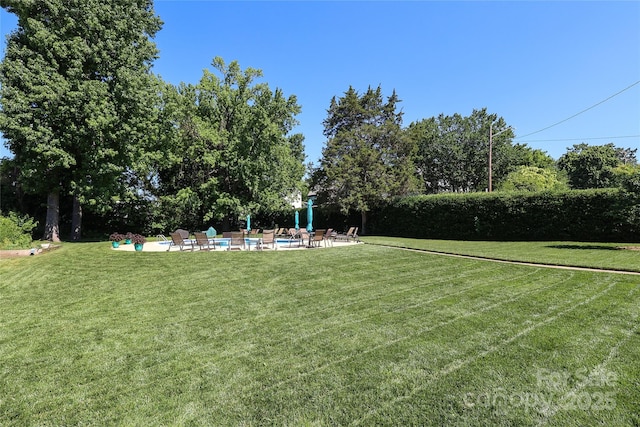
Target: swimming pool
<point x="250" y="242"/>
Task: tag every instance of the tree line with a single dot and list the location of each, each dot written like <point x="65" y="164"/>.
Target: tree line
<point x="93" y="130"/>
<point x="370" y="158"/>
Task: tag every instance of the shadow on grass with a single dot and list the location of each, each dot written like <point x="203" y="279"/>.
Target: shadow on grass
<point x="592" y="247"/>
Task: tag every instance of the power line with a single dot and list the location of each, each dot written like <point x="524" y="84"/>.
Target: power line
<point x="582" y="139"/>
<point x="583" y="111"/>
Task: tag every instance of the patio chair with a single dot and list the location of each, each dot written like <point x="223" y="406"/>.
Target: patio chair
<point x="268" y="239"/>
<point x="328" y="237"/>
<point x="354" y="236"/>
<point x="303" y="235"/>
<point x="184" y="233"/>
<point x="236" y="241"/>
<point x="347" y="235"/>
<point x="316" y="239"/>
<point x="203" y="242"/>
<point x="179" y="241"/>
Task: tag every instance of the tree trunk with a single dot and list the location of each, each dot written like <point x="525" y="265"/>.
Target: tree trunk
<point x="52" y="226"/>
<point x="364" y="223"/>
<point x="76" y="220"/>
<point x="226" y="223"/>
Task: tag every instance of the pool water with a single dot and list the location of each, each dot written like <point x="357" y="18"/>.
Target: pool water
<point x="253" y="242"/>
<point x="224" y="242"/>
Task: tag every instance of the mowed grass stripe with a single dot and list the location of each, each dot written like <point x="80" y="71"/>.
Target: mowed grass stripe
<point x="494" y="347"/>
<point x="412" y="327"/>
<point x="490" y="391"/>
<point x="223" y="345"/>
<point x="291" y="333"/>
<point x="582" y="254"/>
<point x="564" y="351"/>
<point x="592" y="376"/>
<point x="456" y="364"/>
<point x="350" y="300"/>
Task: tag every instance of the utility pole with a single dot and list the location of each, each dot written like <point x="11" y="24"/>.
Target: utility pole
<point x="490" y="153"/>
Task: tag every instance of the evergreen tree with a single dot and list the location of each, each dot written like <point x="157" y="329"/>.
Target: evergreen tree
<point x="366" y="158"/>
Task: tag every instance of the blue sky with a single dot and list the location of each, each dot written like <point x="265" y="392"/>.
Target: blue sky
<point x="533" y="63"/>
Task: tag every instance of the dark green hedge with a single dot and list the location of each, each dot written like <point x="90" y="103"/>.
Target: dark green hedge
<point x="583" y="215"/>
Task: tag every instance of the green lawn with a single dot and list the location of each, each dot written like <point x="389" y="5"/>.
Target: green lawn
<point x="363" y="335"/>
<point x="579" y="254"/>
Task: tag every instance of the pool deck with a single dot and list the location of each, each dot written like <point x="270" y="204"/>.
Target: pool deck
<point x="163" y="246"/>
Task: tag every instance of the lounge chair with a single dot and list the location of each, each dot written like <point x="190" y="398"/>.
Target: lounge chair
<point x="316" y="239"/>
<point x="203" y="242"/>
<point x="352" y="234"/>
<point x="179" y="241"/>
<point x="345" y="236"/>
<point x="184" y="233"/>
<point x="268" y="239"/>
<point x="329" y="237"/>
<point x="303" y="235"/>
<point x="236" y="241"/>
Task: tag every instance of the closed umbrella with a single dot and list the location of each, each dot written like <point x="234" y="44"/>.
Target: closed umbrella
<point x="310" y="216"/>
<point x="248" y="222"/>
<point x="297" y="216"/>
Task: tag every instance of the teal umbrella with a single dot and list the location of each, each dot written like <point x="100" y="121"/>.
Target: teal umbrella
<point x="211" y="233"/>
<point x="310" y="215"/>
<point x="297" y="216"/>
<point x="248" y="222"/>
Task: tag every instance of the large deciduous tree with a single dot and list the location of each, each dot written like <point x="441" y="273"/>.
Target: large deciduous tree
<point x="593" y="166"/>
<point x="76" y="96"/>
<point x="453" y="151"/>
<point x="234" y="153"/>
<point x="366" y="158"/>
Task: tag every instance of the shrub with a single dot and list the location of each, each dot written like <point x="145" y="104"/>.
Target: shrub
<point x="584" y="215"/>
<point x="628" y="177"/>
<point x="15" y="231"/>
